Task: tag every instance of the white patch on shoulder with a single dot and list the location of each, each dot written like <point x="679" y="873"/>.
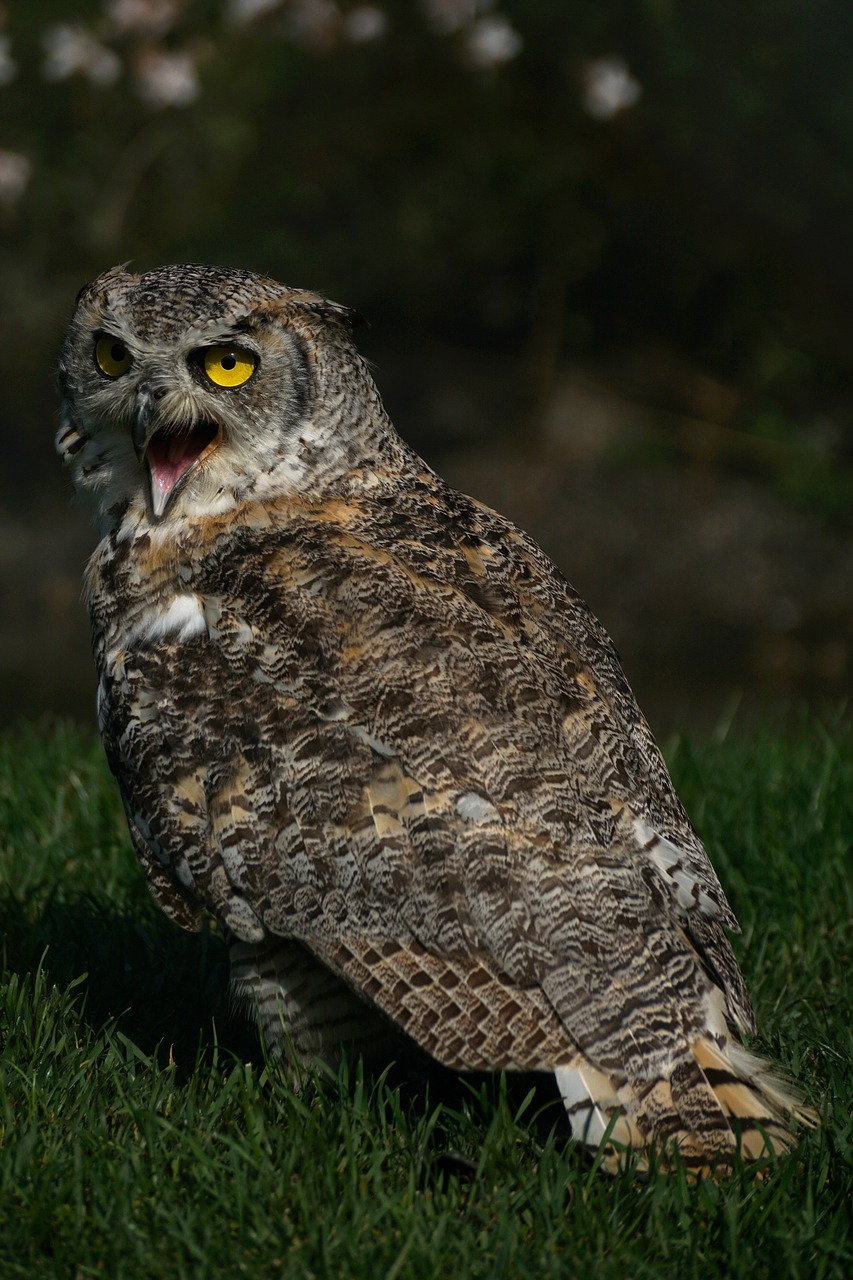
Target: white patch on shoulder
<point x="335" y="709"/>
<point x="672" y="863"/>
<point x="102" y="704"/>
<point x="476" y="809"/>
<point x="183" y="873"/>
<point x="376" y="744"/>
<point x="243" y="633"/>
<point x="181" y="619"/>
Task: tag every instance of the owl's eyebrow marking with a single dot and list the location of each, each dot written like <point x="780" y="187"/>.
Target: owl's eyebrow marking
<point x="244" y="325"/>
<point x="111" y="327"/>
<point x="221" y="337"/>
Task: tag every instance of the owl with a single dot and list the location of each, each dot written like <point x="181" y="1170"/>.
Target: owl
<point x="365" y="722"/>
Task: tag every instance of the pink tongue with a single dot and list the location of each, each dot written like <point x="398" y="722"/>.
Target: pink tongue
<point x="168" y="458"/>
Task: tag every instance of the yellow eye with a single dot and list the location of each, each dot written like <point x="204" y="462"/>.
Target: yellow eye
<point x="112" y="356"/>
<point x="229" y="366"/>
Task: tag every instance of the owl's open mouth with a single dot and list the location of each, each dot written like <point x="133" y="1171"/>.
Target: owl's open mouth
<point x="170" y="454"/>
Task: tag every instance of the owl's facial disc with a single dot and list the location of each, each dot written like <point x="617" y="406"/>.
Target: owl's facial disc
<point x="171" y="454"/>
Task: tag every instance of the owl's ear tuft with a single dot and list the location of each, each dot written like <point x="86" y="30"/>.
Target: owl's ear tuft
<point x="302" y="304"/>
<point x="92" y="286"/>
<point x="344" y="315"/>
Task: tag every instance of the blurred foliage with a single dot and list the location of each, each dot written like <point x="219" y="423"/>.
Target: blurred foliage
<point x="538" y="177"/>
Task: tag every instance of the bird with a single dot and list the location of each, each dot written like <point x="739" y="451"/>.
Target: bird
<point x="366" y="723"/>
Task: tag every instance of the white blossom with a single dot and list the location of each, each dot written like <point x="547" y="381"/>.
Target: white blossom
<point x="608" y="88"/>
<point x="15" y="173"/>
<point x="166" y="79"/>
<point x="141" y="17"/>
<point x="364" y="23"/>
<point x="447" y="16"/>
<point x="243" y="11"/>
<point x="492" y="41"/>
<point x="69" y="50"/>
<point x="314" y="23"/>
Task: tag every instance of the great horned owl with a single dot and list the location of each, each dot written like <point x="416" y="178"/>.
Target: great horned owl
<point x="365" y="721"/>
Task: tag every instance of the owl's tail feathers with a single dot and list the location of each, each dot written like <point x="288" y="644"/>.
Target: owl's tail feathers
<point x="712" y="1104"/>
<point x="758" y="1102"/>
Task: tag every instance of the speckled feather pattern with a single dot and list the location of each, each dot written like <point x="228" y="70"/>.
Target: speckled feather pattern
<point x="366" y="722"/>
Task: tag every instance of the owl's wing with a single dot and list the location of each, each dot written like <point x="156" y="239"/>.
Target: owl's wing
<point x="416" y="754"/>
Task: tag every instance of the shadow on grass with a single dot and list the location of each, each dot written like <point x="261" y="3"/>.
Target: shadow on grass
<point x="167" y="991"/>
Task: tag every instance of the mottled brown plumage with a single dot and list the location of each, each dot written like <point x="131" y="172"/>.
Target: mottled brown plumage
<point x="366" y="722"/>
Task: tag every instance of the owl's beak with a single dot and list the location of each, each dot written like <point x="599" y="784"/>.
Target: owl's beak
<point x="143" y="422"/>
<point x="168" y="451"/>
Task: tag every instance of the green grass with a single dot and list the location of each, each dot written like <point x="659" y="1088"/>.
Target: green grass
<point x="143" y="1135"/>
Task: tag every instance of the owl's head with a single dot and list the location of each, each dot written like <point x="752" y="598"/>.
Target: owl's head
<point x="190" y="389"/>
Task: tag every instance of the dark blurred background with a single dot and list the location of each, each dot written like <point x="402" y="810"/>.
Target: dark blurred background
<point x="604" y="249"/>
